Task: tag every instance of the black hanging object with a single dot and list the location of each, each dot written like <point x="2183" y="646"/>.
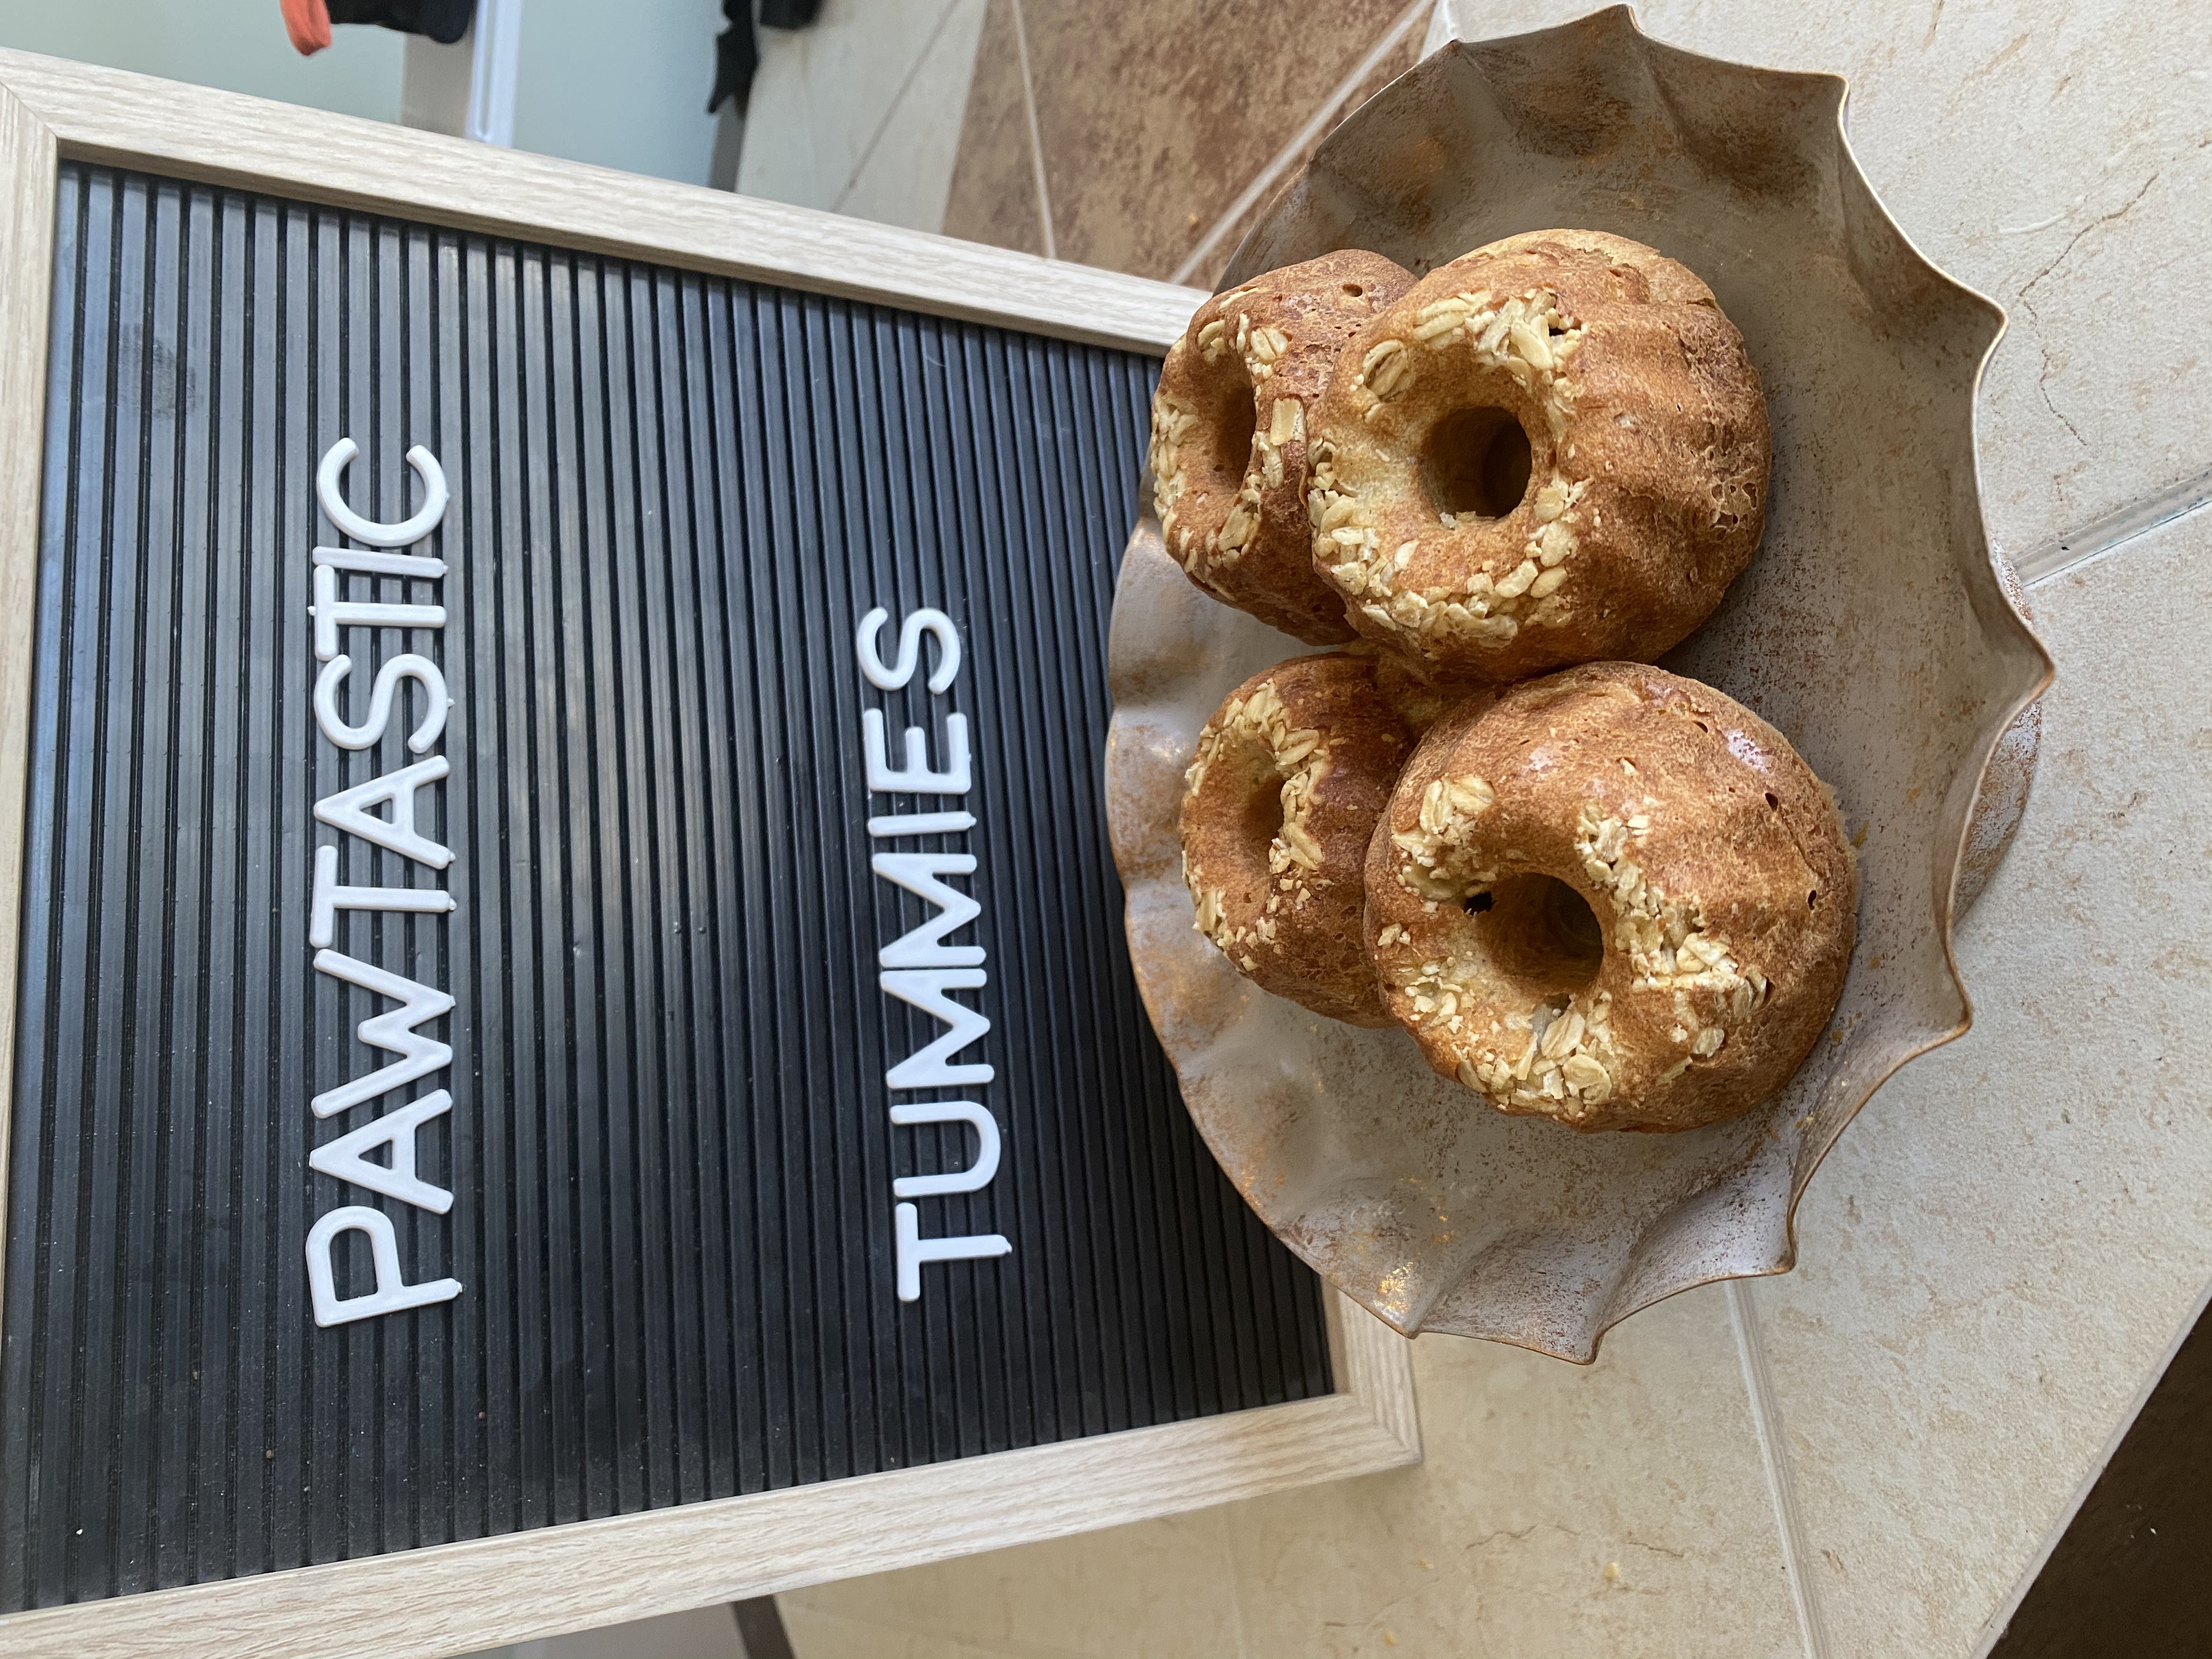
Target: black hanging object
<point x="737" y="57"/>
<point x="737" y="50"/>
<point x="442" y="20"/>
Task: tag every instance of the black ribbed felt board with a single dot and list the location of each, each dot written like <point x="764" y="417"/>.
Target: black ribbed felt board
<point x="673" y="498"/>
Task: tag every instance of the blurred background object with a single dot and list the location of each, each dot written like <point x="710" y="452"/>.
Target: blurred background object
<point x="239" y="45"/>
<point x="1143" y="137"/>
<point x="618" y="85"/>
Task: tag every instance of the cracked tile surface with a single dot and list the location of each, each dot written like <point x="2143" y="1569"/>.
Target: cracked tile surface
<point x="1999" y="1255"/>
<point x="2057" y="158"/>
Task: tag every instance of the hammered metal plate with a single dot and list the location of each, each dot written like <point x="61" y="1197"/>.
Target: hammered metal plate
<point x="1872" y="628"/>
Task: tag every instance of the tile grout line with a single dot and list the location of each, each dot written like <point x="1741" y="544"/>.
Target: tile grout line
<point x="1236" y="1579"/>
<point x="2073" y="549"/>
<point x="890" y="110"/>
<point x="1036" y="138"/>
<point x="1773" y="1454"/>
<point x="1287" y="156"/>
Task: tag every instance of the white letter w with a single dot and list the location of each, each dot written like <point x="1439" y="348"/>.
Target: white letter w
<point x="925" y="988"/>
<point x="918" y="873"/>
<point x="394" y="1028"/>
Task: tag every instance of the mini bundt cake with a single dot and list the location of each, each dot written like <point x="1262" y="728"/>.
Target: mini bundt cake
<point x="1229" y="434"/>
<point x="1552" y="450"/>
<point x="1292" y="774"/>
<point x="1616" y="898"/>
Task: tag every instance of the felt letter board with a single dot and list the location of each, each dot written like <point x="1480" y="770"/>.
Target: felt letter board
<point x="568" y="1049"/>
<point x="669" y="1148"/>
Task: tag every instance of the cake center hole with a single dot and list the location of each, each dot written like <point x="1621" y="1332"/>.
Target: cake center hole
<point x="1539" y="931"/>
<point x="1477" y="462"/>
<point x="1234" y="422"/>
<point x="1263" y="814"/>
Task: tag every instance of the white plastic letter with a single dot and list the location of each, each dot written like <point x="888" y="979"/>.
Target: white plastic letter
<point x="345" y="1157"/>
<point x="925" y="988"/>
<point x="917" y="779"/>
<point x="392" y="1293"/>
<point x="348" y="809"/>
<point x="914" y="1249"/>
<point x="917" y="622"/>
<point x="327" y="898"/>
<point x="893" y="824"/>
<point x="924" y="947"/>
<point x="332" y="613"/>
<point x="331" y="491"/>
<point x="977" y="1176"/>
<point x="405" y="667"/>
<point x="394" y="1028"/>
<point x="380" y="564"/>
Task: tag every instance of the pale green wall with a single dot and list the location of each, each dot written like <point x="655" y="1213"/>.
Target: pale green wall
<point x="237" y="45"/>
<point x="621" y="83"/>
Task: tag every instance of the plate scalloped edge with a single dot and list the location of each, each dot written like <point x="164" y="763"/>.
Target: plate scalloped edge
<point x="1874" y="628"/>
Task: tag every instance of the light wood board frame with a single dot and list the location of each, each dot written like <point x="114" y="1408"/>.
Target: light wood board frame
<point x="453" y="1598"/>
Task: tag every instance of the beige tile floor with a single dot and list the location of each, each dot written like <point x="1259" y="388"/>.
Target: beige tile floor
<point x="1999" y="1256"/>
<point x="1558" y="1512"/>
<point x="860" y="113"/>
<point x="2005" y="1246"/>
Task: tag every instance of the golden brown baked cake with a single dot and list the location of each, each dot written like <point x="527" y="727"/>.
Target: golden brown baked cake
<point x="1229" y="434"/>
<point x="1292" y="774"/>
<point x="1551" y="449"/>
<point x="1616" y="898"/>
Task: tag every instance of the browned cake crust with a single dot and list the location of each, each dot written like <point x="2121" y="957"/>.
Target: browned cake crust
<point x="1229" y="434"/>
<point x="1292" y="774"/>
<point x="1418" y="701"/>
<point x="1551" y="449"/>
<point x="1616" y="898"/>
